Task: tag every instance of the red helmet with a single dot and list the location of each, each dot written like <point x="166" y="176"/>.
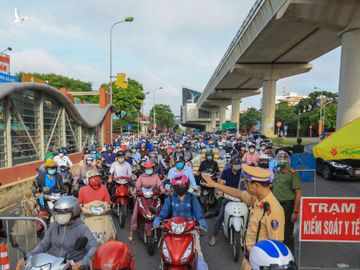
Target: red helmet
<point x="180" y="180"/>
<point x="148" y="164"/>
<point x="95" y="182"/>
<point x="113" y="255"/>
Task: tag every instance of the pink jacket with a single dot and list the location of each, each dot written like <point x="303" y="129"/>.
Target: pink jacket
<point x="149" y="181"/>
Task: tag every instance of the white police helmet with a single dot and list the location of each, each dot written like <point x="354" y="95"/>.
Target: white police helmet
<point x="271" y="255"/>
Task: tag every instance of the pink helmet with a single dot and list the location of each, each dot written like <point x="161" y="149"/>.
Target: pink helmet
<point x="179" y="180"/>
<point x="148" y="164"/>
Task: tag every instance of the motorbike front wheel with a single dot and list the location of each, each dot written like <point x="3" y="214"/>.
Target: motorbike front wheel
<point x="236" y="245"/>
<point x="150" y="245"/>
<point x="122" y="214"/>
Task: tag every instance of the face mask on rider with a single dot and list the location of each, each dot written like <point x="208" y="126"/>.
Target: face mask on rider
<point x="121" y="160"/>
<point x="251" y="150"/>
<point x="180" y="165"/>
<point x="262" y="147"/>
<point x="51" y="172"/>
<point x="149" y="171"/>
<point x="209" y="157"/>
<point x="62" y="219"/>
<point x="236" y="167"/>
<point x="180" y="190"/>
<point x="242" y="148"/>
<point x="61" y="155"/>
<point x="89" y="161"/>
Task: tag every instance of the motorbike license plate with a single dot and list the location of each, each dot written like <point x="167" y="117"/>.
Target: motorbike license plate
<point x="357" y="172"/>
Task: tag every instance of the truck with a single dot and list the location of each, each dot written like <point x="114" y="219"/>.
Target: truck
<point x="229" y="127"/>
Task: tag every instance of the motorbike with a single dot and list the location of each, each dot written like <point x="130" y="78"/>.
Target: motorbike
<point x="207" y="194"/>
<point x="46" y="204"/>
<point x="148" y="199"/>
<point x="97" y="218"/>
<point x="177" y="245"/>
<point x="105" y="172"/>
<point x="121" y="198"/>
<point x="67" y="178"/>
<point x="234" y="224"/>
<point x="50" y="262"/>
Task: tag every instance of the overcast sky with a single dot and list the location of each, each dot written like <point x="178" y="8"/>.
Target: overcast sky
<point x="171" y="43"/>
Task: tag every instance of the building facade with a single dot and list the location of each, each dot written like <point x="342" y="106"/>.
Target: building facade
<point x="37" y="118"/>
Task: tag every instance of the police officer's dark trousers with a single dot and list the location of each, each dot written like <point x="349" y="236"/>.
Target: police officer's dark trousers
<point x="288" y="207"/>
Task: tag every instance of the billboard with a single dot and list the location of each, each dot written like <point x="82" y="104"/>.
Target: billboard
<point x="330" y="219"/>
<point x="7" y="78"/>
<point x="5" y="63"/>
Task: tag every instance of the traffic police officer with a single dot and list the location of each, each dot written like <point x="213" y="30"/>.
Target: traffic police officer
<point x="287" y="189"/>
<point x="266" y="219"/>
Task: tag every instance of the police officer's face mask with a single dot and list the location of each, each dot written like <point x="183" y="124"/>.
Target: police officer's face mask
<point x="282" y="164"/>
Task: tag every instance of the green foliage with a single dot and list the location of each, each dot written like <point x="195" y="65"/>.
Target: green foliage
<point x="287" y="115"/>
<point x="59" y="81"/>
<point x="164" y="116"/>
<point x="249" y="119"/>
<point x="129" y="100"/>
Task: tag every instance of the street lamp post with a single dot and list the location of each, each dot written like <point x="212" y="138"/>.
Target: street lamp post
<point x="154" y="112"/>
<point x="127" y="19"/>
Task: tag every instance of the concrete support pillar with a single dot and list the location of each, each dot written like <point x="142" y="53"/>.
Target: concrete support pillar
<point x="268" y="108"/>
<point x="222" y="115"/>
<point x="235" y="111"/>
<point x="348" y="107"/>
<point x="213" y="121"/>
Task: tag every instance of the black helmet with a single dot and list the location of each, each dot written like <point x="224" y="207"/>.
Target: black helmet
<point x="235" y="160"/>
<point x="120" y="153"/>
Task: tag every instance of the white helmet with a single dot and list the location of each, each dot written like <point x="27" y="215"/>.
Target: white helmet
<point x="271" y="255"/>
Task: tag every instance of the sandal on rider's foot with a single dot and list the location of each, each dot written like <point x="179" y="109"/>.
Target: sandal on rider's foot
<point x="212" y="241"/>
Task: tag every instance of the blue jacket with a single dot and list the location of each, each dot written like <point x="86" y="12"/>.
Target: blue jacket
<point x="188" y="208"/>
<point x="109" y="159"/>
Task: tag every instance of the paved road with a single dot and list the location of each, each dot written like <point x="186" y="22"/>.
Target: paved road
<point x="313" y="254"/>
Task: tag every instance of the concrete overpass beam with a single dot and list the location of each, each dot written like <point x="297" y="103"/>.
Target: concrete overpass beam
<point x="222" y="115"/>
<point x="349" y="83"/>
<point x="213" y="120"/>
<point x="268" y="108"/>
<point x="235" y="111"/>
<point x="270" y="73"/>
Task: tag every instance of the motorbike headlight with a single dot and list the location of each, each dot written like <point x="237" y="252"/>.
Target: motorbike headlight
<point x="178" y="228"/>
<point x="42" y="267"/>
<point x="148" y="194"/>
<point x="338" y="165"/>
<point x="166" y="253"/>
<point x="97" y="210"/>
<point x="187" y="253"/>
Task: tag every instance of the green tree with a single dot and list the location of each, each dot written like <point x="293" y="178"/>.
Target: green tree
<point x="128" y="100"/>
<point x="286" y="114"/>
<point x="59" y="81"/>
<point x="249" y="119"/>
<point x="164" y="116"/>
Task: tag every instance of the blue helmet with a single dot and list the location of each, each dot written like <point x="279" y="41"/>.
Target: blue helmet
<point x="271" y="255"/>
<point x="63" y="150"/>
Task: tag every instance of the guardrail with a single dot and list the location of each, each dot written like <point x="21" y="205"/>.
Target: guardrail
<point x="23" y="231"/>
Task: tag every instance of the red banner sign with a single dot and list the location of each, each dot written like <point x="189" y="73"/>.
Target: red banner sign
<point x="330" y="219"/>
<point x="4" y="62"/>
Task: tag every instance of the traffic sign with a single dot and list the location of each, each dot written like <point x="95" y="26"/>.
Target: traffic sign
<point x="278" y="124"/>
<point x="330" y="219"/>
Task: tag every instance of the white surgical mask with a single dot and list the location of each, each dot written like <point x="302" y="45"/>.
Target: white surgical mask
<point x="62" y="219"/>
<point x="236" y="167"/>
<point x="121" y="160"/>
<point x="61" y="155"/>
<point x="252" y="150"/>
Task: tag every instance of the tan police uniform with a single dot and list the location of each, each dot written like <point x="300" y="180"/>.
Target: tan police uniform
<point x="272" y="223"/>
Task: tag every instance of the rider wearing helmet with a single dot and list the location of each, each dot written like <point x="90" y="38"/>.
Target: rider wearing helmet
<point x="181" y="168"/>
<point x="62" y="159"/>
<point x="271" y="255"/>
<point x="181" y="203"/>
<point x="252" y="157"/>
<point x="113" y="255"/>
<point x="94" y="190"/>
<point x="120" y="167"/>
<point x="108" y="155"/>
<point x="49" y="180"/>
<point x="266" y="219"/>
<point x="47" y="157"/>
<point x="209" y="165"/>
<point x="87" y="164"/>
<point x="149" y="179"/>
<point x="62" y="235"/>
<point x="222" y="151"/>
<point x="157" y="168"/>
<point x="135" y="154"/>
<point x="231" y="178"/>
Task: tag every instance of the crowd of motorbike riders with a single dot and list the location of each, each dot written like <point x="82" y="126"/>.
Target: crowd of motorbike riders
<point x="166" y="183"/>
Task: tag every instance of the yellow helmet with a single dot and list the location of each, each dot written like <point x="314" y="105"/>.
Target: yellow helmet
<point x="50" y="163"/>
